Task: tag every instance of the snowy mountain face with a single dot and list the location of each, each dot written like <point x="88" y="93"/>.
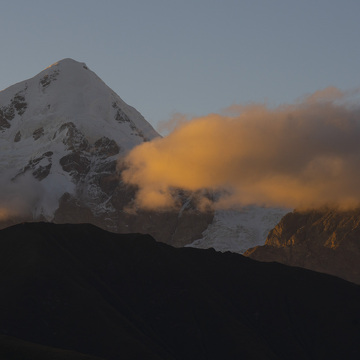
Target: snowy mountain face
<point x="61" y="134"/>
<point x="239" y="229"/>
<point x="65" y="126"/>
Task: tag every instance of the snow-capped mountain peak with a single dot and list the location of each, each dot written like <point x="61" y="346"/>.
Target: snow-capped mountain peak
<point x="69" y="91"/>
<point x="62" y="126"/>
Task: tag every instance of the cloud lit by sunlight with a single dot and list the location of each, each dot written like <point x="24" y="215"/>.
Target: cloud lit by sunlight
<point x="301" y="155"/>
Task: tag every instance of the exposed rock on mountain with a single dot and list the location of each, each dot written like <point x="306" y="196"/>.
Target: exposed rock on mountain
<point x="71" y="290"/>
<point x="326" y="240"/>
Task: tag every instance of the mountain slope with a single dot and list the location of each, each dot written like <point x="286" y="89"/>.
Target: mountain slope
<point x="62" y="134"/>
<point x="13" y="349"/>
<point x="79" y="288"/>
<point x="325" y="240"/>
<point x="239" y="229"/>
<point x="65" y="127"/>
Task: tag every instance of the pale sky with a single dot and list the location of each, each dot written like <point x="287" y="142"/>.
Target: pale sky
<point x="188" y="56"/>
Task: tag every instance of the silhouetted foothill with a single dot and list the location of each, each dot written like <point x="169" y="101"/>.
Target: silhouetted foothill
<point x="92" y="293"/>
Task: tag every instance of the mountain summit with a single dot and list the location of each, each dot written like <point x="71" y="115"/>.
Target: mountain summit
<point x="69" y="91"/>
<point x="61" y="134"/>
<point x="63" y="126"/>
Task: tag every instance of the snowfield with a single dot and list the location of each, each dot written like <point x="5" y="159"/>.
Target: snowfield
<point x="237" y="230"/>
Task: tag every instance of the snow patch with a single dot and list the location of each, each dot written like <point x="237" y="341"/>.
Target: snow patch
<point x="239" y="229"/>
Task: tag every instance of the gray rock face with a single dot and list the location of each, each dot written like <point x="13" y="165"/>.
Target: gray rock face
<point x="326" y="240"/>
<point x="7" y="112"/>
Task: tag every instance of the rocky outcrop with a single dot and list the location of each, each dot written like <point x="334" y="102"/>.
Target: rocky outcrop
<point x="74" y="139"/>
<point x="38" y="133"/>
<point x="324" y="240"/>
<point x="17" y="137"/>
<point x="7" y="113"/>
<point x="46" y="80"/>
<point x="39" y="167"/>
<point x="121" y="117"/>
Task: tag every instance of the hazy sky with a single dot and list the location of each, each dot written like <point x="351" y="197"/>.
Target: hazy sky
<point x="194" y="57"/>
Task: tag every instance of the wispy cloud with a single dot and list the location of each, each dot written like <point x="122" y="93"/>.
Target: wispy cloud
<point x="18" y="197"/>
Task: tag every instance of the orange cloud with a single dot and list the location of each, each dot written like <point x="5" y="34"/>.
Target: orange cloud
<point x="301" y="155"/>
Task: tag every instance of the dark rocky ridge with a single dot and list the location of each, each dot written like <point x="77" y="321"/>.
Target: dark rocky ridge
<point x="325" y="240"/>
<point x="80" y="289"/>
